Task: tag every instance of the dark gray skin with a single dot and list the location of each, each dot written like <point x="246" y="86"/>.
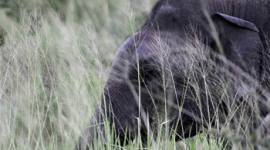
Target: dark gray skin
<point x="241" y="41"/>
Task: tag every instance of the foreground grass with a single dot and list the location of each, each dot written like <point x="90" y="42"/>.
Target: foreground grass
<point x="52" y="74"/>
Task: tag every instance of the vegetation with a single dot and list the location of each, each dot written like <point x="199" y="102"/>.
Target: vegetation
<point x="54" y="61"/>
<point x="55" y="57"/>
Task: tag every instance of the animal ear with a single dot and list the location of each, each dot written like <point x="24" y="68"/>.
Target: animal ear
<point x="240" y="41"/>
<point x="236" y="21"/>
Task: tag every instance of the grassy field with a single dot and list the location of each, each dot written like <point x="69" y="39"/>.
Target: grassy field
<point x="54" y="63"/>
<point x="53" y="69"/>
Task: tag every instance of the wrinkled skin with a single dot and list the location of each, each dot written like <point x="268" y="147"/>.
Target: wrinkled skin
<point x="235" y="45"/>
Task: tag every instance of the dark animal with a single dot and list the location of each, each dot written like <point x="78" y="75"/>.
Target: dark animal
<point x="192" y="64"/>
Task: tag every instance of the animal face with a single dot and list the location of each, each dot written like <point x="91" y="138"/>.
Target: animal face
<point x="197" y="62"/>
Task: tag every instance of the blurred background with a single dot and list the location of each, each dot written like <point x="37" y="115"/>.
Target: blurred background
<point x="55" y="56"/>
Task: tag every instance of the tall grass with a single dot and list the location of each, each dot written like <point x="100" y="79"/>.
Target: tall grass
<point x="53" y="67"/>
<point x="53" y="70"/>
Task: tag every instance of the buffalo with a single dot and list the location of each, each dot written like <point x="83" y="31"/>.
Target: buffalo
<point x="194" y="64"/>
